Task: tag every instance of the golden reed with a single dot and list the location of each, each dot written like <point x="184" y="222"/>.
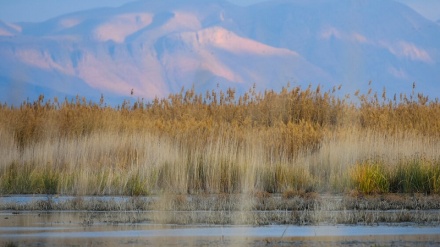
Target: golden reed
<point x="188" y="143"/>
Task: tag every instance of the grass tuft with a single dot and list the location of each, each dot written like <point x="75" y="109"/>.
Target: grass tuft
<point x="370" y="177"/>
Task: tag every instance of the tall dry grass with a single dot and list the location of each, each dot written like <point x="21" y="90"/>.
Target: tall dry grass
<point x="296" y="139"/>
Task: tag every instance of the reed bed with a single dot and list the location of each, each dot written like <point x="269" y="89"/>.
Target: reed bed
<point x="298" y="139"/>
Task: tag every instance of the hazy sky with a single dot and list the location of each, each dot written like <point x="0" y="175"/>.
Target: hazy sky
<point x="39" y="10"/>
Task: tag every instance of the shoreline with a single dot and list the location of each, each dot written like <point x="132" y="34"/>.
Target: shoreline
<point x="236" y="209"/>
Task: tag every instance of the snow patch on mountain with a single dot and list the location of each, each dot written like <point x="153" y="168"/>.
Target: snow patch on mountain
<point x="119" y="27"/>
<point x="408" y="50"/>
<point x="9" y="29"/>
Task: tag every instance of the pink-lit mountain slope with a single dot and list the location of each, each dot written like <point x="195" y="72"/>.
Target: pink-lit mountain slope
<point x="156" y="47"/>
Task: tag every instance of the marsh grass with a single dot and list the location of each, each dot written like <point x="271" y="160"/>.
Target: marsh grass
<point x="10" y="244"/>
<point x="411" y="175"/>
<point x="297" y="139"/>
<point x="416" y="175"/>
<point x="370" y="177"/>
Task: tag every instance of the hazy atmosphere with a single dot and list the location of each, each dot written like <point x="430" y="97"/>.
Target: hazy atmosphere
<point x="153" y="48"/>
<point x="25" y="10"/>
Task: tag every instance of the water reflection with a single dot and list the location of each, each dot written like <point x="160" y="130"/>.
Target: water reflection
<point x="68" y="228"/>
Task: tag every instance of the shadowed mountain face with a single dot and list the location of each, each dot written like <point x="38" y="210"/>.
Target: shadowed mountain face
<point x="157" y="47"/>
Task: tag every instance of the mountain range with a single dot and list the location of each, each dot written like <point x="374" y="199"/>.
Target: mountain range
<point x="157" y="47"/>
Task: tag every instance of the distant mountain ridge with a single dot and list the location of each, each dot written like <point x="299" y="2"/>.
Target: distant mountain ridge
<point x="158" y="47"/>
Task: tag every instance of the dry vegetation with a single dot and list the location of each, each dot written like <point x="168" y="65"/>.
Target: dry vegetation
<point x="241" y="209"/>
<point x="276" y="142"/>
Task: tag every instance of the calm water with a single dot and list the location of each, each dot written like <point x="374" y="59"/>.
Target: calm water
<point x="82" y="228"/>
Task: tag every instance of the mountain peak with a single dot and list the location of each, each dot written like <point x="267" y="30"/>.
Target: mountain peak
<point x="156" y="47"/>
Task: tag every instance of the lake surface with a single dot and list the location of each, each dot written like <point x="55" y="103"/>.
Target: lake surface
<point x="87" y="229"/>
<point x="141" y="228"/>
